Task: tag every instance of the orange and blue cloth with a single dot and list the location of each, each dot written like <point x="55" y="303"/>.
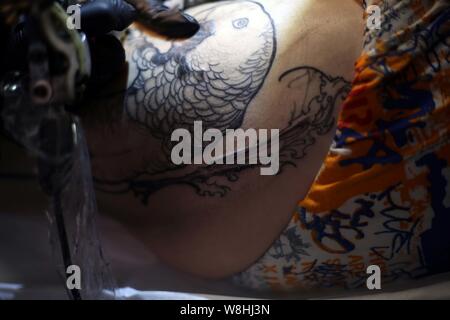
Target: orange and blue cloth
<point x="384" y="200"/>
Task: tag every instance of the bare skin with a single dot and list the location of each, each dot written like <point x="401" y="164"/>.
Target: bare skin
<point x="216" y="221"/>
<point x="216" y="236"/>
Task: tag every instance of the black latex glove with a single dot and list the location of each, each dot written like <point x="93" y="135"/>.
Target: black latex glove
<point x="98" y="17"/>
<point x="102" y="16"/>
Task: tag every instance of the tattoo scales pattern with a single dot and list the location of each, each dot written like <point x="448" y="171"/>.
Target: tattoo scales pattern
<point x="184" y="84"/>
<point x="318" y="96"/>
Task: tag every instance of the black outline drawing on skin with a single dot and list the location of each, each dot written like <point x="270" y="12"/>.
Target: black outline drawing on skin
<point x="316" y="97"/>
<point x="171" y="91"/>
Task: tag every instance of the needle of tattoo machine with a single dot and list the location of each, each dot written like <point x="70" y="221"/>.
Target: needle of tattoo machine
<point x="99" y="17"/>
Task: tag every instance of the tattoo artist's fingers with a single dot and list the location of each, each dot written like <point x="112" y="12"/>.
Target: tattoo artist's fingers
<point x="99" y="17"/>
<point x="173" y="23"/>
<point x="102" y="16"/>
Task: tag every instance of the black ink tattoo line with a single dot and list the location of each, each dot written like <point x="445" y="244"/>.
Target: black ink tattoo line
<point x="176" y="88"/>
<point x="321" y="93"/>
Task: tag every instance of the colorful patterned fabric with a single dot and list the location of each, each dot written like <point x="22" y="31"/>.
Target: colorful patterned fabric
<point x="383" y="194"/>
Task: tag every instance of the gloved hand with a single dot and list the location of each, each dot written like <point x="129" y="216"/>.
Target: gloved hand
<point x="98" y="17"/>
<point x="102" y="16"/>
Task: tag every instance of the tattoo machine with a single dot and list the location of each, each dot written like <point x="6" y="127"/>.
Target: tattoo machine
<point x="49" y="65"/>
<point x="47" y="70"/>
